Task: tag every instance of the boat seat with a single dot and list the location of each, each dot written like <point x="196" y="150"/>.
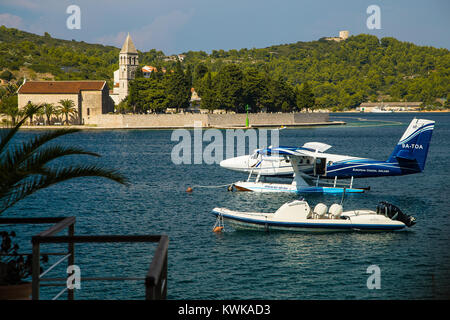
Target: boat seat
<point x="335" y="211"/>
<point x="320" y="210"/>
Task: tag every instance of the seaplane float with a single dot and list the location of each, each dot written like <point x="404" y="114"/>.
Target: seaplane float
<point x="312" y="170"/>
<point x="298" y="216"/>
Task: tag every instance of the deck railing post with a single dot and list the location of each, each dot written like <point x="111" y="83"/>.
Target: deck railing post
<point x="164" y="277"/>
<point x="156" y="279"/>
<point x="35" y="271"/>
<point x="71" y="260"/>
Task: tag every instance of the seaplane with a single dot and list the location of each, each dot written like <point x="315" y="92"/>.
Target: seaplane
<point x="311" y="168"/>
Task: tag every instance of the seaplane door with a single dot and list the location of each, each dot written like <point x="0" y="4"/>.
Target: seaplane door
<point x="253" y="160"/>
<point x="320" y="166"/>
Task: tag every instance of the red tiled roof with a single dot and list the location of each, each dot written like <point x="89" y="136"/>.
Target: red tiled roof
<point x="149" y="69"/>
<point x="60" y="86"/>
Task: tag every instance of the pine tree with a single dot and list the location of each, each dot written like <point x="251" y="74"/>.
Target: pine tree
<point x="305" y="98"/>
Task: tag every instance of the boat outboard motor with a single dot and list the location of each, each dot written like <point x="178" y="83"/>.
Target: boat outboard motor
<point x="394" y="213"/>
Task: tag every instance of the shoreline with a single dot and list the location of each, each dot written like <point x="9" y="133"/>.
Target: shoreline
<point x="273" y="126"/>
<point x="277" y="124"/>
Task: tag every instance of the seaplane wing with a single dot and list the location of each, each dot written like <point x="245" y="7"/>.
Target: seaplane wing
<point x="317" y="146"/>
<point x="308" y="149"/>
<point x="290" y="153"/>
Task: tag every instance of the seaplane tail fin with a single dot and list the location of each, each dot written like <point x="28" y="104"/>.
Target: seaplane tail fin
<point x="412" y="149"/>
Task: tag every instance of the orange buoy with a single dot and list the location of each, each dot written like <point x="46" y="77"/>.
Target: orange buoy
<point x="218" y="229"/>
<point x="189" y="189"/>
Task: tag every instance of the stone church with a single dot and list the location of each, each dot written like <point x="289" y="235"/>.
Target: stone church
<point x="90" y="98"/>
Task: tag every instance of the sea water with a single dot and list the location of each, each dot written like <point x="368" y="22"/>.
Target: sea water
<point x="414" y="264"/>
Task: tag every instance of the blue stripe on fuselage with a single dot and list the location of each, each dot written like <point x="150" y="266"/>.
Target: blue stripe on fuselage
<point x="361" y="168"/>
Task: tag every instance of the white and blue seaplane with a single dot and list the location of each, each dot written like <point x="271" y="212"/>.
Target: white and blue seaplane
<point x="313" y="170"/>
<point x="298" y="216"/>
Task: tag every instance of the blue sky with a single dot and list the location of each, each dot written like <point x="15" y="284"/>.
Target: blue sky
<point x="176" y="26"/>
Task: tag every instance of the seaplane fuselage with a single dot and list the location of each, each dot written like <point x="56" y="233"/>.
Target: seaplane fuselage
<point x="408" y="157"/>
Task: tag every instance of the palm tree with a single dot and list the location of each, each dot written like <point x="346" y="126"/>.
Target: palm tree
<point x="49" y="110"/>
<point x="9" y="106"/>
<point x="30" y="110"/>
<point x="25" y="169"/>
<point x="67" y="107"/>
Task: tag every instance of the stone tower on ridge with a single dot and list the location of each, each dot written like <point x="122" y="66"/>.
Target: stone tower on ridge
<point x="128" y="63"/>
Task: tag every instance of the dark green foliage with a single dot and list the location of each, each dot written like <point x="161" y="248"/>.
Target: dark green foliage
<point x="178" y="87"/>
<point x="6" y="75"/>
<point x="206" y="91"/>
<point x="341" y="75"/>
<point x="304" y="98"/>
<point x="230" y="88"/>
<point x="66" y="60"/>
<point x="9" y="107"/>
<point x="27" y="167"/>
<point x="14" y="269"/>
<point x="147" y="95"/>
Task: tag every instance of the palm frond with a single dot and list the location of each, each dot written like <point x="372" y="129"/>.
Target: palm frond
<point x="24" y="168"/>
<point x="12" y="173"/>
<point x="7" y="134"/>
<point x="17" y="155"/>
<point x="37" y="182"/>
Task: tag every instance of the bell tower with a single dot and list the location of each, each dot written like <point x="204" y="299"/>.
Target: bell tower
<point x="128" y="63"/>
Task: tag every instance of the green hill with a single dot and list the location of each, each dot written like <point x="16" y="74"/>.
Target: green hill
<point x="340" y="74"/>
<point x="345" y="73"/>
<point x="65" y="60"/>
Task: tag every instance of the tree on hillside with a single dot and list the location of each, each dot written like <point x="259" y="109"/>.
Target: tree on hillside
<point x="123" y="107"/>
<point x="6" y="75"/>
<point x="230" y="90"/>
<point x="9" y="107"/>
<point x="178" y="89"/>
<point x="189" y="76"/>
<point x="147" y="95"/>
<point x="135" y="98"/>
<point x="67" y="107"/>
<point x="339" y="74"/>
<point x="255" y="86"/>
<point x="200" y="71"/>
<point x="207" y="93"/>
<point x="279" y="96"/>
<point x="304" y="97"/>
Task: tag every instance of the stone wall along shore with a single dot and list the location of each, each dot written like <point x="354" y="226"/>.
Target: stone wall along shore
<point x="206" y="120"/>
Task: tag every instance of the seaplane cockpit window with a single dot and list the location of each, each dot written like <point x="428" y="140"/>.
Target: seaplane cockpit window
<point x="330" y="163"/>
<point x="254" y="156"/>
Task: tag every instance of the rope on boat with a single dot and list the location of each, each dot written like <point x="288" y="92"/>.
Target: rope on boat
<point x="230" y="187"/>
<point x="219" y="225"/>
<point x="219" y="186"/>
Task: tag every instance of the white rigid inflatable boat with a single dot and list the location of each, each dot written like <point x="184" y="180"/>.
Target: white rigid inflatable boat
<point x="298" y="216"/>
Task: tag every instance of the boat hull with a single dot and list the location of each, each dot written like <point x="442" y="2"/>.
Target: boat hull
<point x="282" y="187"/>
<point x="240" y="221"/>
